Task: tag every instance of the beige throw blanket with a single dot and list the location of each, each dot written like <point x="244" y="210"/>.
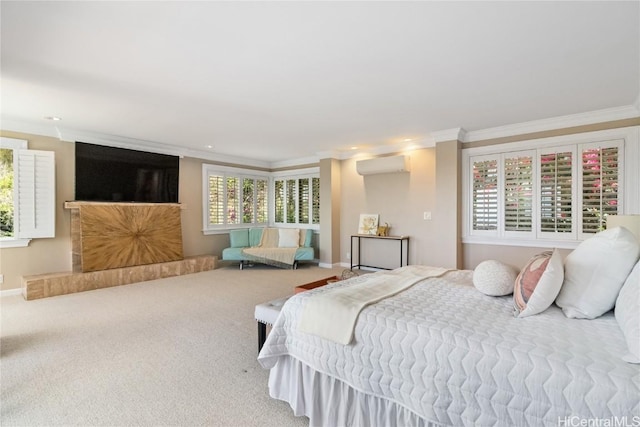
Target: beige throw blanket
<point x="268" y="252"/>
<point x="332" y="314"/>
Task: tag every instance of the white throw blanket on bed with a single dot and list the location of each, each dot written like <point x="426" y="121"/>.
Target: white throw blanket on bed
<point x="332" y="315"/>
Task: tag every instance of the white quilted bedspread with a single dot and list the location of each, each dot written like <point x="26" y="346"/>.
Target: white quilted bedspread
<point x="455" y="356"/>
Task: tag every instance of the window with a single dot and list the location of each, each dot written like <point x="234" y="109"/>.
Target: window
<point x="27" y="193"/>
<point x="234" y="198"/>
<point x="297" y="200"/>
<point x="561" y="190"/>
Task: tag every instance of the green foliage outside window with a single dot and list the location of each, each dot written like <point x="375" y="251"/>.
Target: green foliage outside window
<point x="6" y="192"/>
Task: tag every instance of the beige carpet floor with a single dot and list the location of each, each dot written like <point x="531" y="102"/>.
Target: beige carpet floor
<point x="170" y="352"/>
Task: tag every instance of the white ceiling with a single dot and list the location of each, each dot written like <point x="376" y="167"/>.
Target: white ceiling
<point x="276" y="81"/>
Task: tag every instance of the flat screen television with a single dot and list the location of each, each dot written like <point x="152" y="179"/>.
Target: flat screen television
<point x="111" y="174"/>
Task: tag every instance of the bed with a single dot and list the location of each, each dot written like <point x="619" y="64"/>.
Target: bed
<point x="442" y="353"/>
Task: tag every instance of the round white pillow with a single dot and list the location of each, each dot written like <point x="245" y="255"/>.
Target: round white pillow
<point x="494" y="278"/>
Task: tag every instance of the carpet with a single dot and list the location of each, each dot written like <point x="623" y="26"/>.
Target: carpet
<point x="179" y="351"/>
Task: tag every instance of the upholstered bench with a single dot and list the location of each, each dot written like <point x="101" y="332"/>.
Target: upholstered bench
<point x="267" y="314"/>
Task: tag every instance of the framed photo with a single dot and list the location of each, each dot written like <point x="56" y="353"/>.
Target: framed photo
<point x="368" y="224"/>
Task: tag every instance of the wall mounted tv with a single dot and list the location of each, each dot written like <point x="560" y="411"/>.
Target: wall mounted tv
<point x="110" y="174"/>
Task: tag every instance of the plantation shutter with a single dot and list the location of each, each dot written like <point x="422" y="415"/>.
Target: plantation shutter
<point x="216" y="199"/>
<point x="303" y="200"/>
<point x="248" y="211"/>
<point x="262" y="196"/>
<point x="291" y="201"/>
<point x="279" y="201"/>
<point x="485" y="195"/>
<point x="556" y="200"/>
<point x="315" y="215"/>
<point x="233" y="200"/>
<point x="34" y="180"/>
<point x="518" y="193"/>
<point x="599" y="189"/>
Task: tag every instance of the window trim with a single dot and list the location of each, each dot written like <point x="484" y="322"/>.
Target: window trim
<point x="629" y="176"/>
<point x="228" y="171"/>
<point x="306" y="173"/>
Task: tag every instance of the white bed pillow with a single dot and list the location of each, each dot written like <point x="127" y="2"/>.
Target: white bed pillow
<point x="627" y="314"/>
<point x="494" y="278"/>
<point x="538" y="284"/>
<point x="595" y="271"/>
<point x="288" y="237"/>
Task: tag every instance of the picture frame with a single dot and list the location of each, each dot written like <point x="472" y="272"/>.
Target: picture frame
<point x="368" y="224"/>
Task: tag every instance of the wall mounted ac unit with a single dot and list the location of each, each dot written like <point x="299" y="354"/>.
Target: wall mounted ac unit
<point x="383" y="165"/>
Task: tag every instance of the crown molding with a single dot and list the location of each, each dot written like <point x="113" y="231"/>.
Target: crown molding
<point x="73" y="135"/>
<point x="553" y="123"/>
<point x="454" y="134"/>
<point x="312" y="160"/>
<point x="42" y="129"/>
<point x="329" y="155"/>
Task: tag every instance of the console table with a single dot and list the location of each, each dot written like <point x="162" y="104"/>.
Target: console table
<point x="403" y="240"/>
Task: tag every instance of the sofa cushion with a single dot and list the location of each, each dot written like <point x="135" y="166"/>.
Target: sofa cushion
<point x="304" y="254"/>
<point x="255" y="236"/>
<point x="233" y="254"/>
<point x="306" y="237"/>
<point x="239" y="238"/>
<point x="288" y="237"/>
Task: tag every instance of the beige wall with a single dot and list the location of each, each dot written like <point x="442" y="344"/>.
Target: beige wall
<point x="448" y="199"/>
<point x="44" y="255"/>
<point x="400" y="199"/>
<point x="515" y="256"/>
<point x="190" y="195"/>
<point x="328" y="251"/>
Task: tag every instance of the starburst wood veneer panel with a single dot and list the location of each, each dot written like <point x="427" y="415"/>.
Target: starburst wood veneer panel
<point x="120" y="235"/>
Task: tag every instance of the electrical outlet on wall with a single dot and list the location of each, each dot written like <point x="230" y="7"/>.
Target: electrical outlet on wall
<point x="348" y="255"/>
<point x="426" y="215"/>
<point x="1" y="278"/>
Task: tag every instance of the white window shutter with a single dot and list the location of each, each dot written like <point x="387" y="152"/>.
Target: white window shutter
<point x="600" y="174"/>
<point x="35" y="180"/>
<point x="557" y="190"/>
<point x="518" y="192"/>
<point x="485" y="194"/>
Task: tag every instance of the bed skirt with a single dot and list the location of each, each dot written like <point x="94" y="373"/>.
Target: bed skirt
<point x="330" y="402"/>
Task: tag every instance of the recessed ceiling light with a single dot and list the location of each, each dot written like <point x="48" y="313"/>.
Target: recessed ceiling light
<point x="54" y="118"/>
<point x="209" y="146"/>
<point x="407" y="140"/>
<point x="354" y="148"/>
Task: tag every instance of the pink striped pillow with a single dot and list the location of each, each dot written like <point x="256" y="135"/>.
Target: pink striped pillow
<point x="538" y="284"/>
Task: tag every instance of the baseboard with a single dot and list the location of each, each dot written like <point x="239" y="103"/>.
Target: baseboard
<point x="327" y="265"/>
<point x="10" y="292"/>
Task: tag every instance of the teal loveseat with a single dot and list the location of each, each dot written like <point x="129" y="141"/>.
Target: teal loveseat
<point x="250" y="237"/>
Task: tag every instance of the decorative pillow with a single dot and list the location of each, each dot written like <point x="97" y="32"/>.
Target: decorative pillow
<point x="239" y="238"/>
<point x="494" y="278"/>
<point x="628" y="315"/>
<point x="595" y="272"/>
<point x="288" y="237"/>
<point x="538" y="284"/>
